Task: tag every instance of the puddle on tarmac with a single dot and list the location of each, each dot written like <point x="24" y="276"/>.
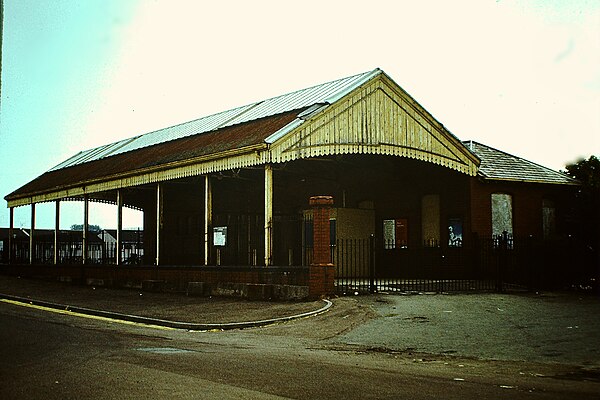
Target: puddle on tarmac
<point x="164" y="350"/>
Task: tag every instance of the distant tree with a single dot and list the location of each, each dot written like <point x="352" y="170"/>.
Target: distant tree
<point x="587" y="204"/>
<point x="587" y="172"/>
<point x="91" y="228"/>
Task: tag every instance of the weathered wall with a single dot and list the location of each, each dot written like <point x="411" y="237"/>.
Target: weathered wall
<point x="354" y="223"/>
<point x="527" y="199"/>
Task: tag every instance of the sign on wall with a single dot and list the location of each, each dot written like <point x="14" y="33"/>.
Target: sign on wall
<point x="395" y="233"/>
<point x="220" y="235"/>
<point x="389" y="234"/>
<point x="455" y="232"/>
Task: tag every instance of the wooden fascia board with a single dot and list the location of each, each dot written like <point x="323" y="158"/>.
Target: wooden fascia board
<point x="418" y="108"/>
<point x="533" y="181"/>
<point x="468" y="157"/>
<point x="132" y="178"/>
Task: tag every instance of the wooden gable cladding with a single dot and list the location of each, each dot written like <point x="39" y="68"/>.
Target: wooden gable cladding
<point x="377" y="118"/>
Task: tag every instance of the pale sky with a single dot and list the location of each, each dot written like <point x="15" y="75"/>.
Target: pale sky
<point x="520" y="76"/>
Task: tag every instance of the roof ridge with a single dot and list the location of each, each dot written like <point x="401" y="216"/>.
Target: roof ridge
<point x="509" y="154"/>
<point x="469" y="143"/>
<point x="331" y="91"/>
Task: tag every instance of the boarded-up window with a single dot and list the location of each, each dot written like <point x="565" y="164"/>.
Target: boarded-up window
<point x="548" y="218"/>
<point x="430" y="220"/>
<point x="502" y="214"/>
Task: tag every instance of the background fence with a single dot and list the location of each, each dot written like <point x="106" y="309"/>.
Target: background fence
<point x="494" y="263"/>
<point x="368" y="265"/>
<point x="70" y="251"/>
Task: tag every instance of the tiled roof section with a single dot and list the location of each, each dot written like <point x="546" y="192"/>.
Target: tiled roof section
<point x="498" y="165"/>
<point x="229" y="138"/>
<point x="300" y="99"/>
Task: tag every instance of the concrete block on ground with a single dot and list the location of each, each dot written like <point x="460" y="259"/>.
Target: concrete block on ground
<point x="98" y="282"/>
<point x="230" y="289"/>
<point x="290" y="292"/>
<point x="152" y="285"/>
<point x="131" y="284"/>
<point x="258" y="291"/>
<point x="199" y="289"/>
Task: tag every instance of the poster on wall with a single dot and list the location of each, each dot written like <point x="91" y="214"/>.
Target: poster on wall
<point x="402" y="233"/>
<point x="220" y="235"/>
<point x="455" y="232"/>
<point x="395" y="233"/>
<point x="389" y="233"/>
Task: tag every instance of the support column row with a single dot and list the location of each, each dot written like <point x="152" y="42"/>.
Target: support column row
<point x="268" y="216"/>
<point x="56" y="238"/>
<point x="208" y="216"/>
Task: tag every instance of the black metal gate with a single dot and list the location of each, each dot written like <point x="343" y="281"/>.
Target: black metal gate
<point x="484" y="264"/>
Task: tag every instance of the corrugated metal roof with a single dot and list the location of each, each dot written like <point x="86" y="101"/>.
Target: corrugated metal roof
<point x="324" y="93"/>
<point x="224" y="139"/>
<point x="496" y="164"/>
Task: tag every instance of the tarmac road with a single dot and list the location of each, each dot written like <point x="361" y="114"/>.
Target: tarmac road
<point x="363" y="347"/>
<point x="548" y="327"/>
<point x="53" y="356"/>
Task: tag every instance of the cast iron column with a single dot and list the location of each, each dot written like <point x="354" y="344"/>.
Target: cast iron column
<point x="159" y="219"/>
<point x="56" y="230"/>
<point x="119" y="227"/>
<point x="86" y="223"/>
<point x="31" y="233"/>
<point x="268" y="215"/>
<point x="11" y="232"/>
<point x="207" y="218"/>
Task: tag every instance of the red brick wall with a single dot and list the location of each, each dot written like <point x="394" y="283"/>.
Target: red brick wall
<point x="527" y="205"/>
<point x="321" y="273"/>
<point x="176" y="278"/>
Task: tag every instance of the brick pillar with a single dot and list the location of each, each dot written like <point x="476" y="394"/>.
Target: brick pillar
<point x="321" y="273"/>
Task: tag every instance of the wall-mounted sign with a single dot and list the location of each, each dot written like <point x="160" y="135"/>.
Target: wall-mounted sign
<point x="395" y="233"/>
<point x="389" y="234"/>
<point x="455" y="232"/>
<point x="220" y="235"/>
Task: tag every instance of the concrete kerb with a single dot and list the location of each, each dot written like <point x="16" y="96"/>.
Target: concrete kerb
<point x="190" y="326"/>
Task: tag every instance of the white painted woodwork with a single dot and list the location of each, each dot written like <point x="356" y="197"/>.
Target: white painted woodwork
<point x="11" y="227"/>
<point x="119" y="238"/>
<point x="56" y="231"/>
<point x="32" y="234"/>
<point x="159" y="219"/>
<point x="86" y="221"/>
<point x="207" y="217"/>
<point x="268" y="214"/>
<point x="378" y="117"/>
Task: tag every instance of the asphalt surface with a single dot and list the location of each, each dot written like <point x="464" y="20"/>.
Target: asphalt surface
<point x="164" y="309"/>
<point x="532" y="327"/>
<point x="559" y="328"/>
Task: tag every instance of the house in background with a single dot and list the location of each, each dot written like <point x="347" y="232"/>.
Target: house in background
<point x="232" y="188"/>
<point x="101" y="246"/>
<point x="523" y="198"/>
<point x="69" y="246"/>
